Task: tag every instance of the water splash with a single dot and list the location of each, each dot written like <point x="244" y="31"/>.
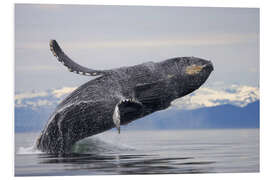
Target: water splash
<point x="101" y="144"/>
<point x="29" y="150"/>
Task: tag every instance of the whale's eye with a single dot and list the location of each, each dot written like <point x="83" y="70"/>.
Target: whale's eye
<point x="193" y="69"/>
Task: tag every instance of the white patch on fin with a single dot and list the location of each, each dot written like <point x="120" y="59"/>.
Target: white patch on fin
<point x="116" y="118"/>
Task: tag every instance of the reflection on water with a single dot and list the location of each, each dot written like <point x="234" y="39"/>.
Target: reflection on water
<point x="127" y="164"/>
<point x="154" y="152"/>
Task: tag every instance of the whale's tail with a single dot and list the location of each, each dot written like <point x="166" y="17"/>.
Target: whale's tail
<point x="71" y="65"/>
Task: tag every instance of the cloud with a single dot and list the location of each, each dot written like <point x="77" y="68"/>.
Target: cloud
<point x="36" y="68"/>
<point x="48" y="6"/>
<point x="187" y="40"/>
<point x="253" y="70"/>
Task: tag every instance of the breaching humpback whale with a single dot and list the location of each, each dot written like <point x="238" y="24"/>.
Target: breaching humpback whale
<point x="117" y="97"/>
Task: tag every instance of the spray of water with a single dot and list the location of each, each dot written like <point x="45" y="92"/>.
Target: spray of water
<point x="28" y="150"/>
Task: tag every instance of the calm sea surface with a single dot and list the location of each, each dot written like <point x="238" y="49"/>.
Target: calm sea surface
<point x="145" y="152"/>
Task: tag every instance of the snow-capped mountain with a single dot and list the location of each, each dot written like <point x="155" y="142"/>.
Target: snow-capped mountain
<point x="204" y="97"/>
<point x="208" y="97"/>
<point x="36" y="99"/>
<point x="230" y="107"/>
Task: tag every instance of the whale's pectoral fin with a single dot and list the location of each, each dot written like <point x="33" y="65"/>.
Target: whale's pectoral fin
<point x="71" y="65"/>
<point x="152" y="94"/>
<point x="126" y="111"/>
<point x="116" y="118"/>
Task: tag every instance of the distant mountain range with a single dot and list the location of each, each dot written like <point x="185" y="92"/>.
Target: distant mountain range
<point x="223" y="116"/>
<point x="28" y="119"/>
<point x="233" y="107"/>
<point x="208" y="97"/>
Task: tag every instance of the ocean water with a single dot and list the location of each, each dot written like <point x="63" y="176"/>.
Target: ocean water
<point x="145" y="152"/>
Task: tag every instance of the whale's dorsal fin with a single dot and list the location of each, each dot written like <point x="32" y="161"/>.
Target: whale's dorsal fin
<point x="71" y="65"/>
<point x="125" y="111"/>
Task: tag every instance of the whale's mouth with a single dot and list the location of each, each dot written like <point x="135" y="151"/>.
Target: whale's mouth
<point x="210" y="66"/>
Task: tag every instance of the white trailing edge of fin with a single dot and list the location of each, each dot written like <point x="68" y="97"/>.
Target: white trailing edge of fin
<point x="116" y="118"/>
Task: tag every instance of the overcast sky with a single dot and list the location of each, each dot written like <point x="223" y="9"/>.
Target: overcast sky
<point x="103" y="37"/>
